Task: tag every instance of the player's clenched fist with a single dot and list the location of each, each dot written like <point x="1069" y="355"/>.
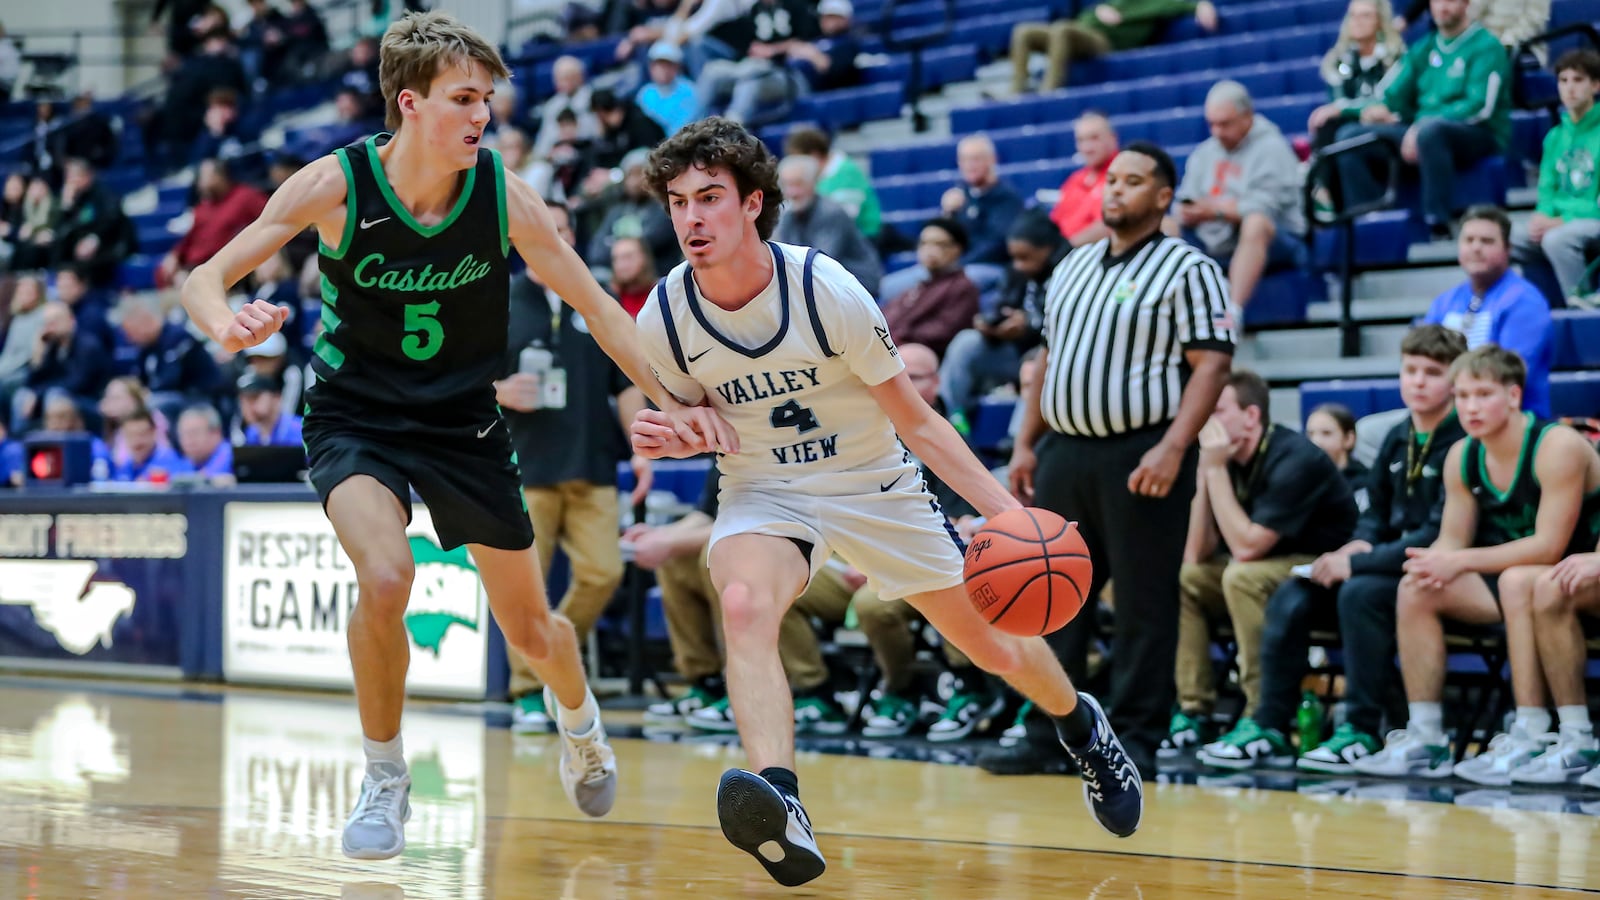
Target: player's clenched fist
<point x="689" y="431"/>
<point x="256" y="322"/>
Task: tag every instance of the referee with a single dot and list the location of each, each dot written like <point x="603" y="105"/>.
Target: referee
<point x="1139" y="340"/>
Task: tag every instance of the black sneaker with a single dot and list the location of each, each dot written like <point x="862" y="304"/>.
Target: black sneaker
<point x="1112" y="788"/>
<point x="769" y="825"/>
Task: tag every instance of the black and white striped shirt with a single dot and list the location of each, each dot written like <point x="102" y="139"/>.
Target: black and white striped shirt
<point x="1117" y="328"/>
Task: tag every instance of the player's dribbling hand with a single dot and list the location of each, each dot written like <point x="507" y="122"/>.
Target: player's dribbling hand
<point x="252" y="324"/>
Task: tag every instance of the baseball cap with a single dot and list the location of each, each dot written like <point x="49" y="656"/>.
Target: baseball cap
<point x="666" y="51"/>
<point x="256" y="383"/>
<point x="274" y="345"/>
<point x="836" y="8"/>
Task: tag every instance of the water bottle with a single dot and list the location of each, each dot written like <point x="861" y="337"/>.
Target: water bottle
<point x="1309" y="720"/>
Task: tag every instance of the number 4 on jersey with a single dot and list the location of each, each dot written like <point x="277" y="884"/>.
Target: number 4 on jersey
<point x="792" y="415"/>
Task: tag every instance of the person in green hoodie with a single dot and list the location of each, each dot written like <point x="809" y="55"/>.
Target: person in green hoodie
<point x="1448" y="108"/>
<point x="1098" y="30"/>
<point x="1568" y="213"/>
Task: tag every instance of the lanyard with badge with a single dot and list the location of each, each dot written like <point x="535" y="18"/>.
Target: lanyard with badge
<point x="1417" y="456"/>
<point x="543" y="363"/>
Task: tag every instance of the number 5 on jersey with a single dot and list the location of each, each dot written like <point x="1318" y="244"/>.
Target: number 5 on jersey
<point x="424" y="334"/>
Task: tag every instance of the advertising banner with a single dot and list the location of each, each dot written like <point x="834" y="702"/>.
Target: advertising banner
<point x="289" y="590"/>
<point x="93" y="587"/>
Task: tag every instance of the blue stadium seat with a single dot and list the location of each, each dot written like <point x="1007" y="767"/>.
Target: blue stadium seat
<point x="1576" y="338"/>
<point x="1575" y="394"/>
<point x="1381" y="240"/>
<point x="1282" y="297"/>
<point x="991" y="424"/>
<point x="1363" y="396"/>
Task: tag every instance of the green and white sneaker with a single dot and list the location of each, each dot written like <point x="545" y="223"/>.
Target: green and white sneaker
<point x="965" y="713"/>
<point x="1247" y="746"/>
<point x="717" y="717"/>
<point x="892" y="716"/>
<point x="1337" y="755"/>
<point x="818" y="715"/>
<point x="1506" y="754"/>
<point x="529" y="716"/>
<point x="1183" y="734"/>
<point x="1568" y="759"/>
<point x="674" y="712"/>
<point x="1404" y="755"/>
<point x="1019" y="726"/>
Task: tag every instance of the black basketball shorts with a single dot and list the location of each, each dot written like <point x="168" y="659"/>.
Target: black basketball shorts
<point x="466" y="474"/>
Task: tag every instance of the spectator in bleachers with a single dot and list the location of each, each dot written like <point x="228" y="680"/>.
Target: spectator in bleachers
<point x="89" y="306"/>
<point x="1098" y="30"/>
<point x="938" y="308"/>
<point x="623" y="129"/>
<point x="828" y="62"/>
<point x="147" y="458"/>
<point x="185" y="14"/>
<point x="1513" y="21"/>
<point x="1495" y="305"/>
<point x="516" y="150"/>
<point x="170" y="362"/>
<point x="1241" y="193"/>
<point x="1406" y="494"/>
<point x="1267" y="500"/>
<point x="92" y="230"/>
<point x="1357" y="68"/>
<point x="1561" y="598"/>
<point x="633" y="273"/>
<point x="124" y="397"/>
<point x="1568" y="215"/>
<point x="1077" y="210"/>
<point x="842" y="180"/>
<point x="221" y="136"/>
<point x="716" y="30"/>
<point x="1520" y="492"/>
<point x="224" y="209"/>
<point x="360" y="73"/>
<point x="63" y="416"/>
<point x="668" y="97"/>
<point x="1332" y="427"/>
<point x="87" y="134"/>
<point x="274" y="284"/>
<point x="627" y="210"/>
<point x="571" y="94"/>
<point x="811" y="220"/>
<point x="66" y="359"/>
<point x="21" y="333"/>
<point x="200" y="441"/>
<point x="749" y="88"/>
<point x="642" y="23"/>
<point x="10" y="64"/>
<point x="270" y="360"/>
<point x="33" y="244"/>
<point x="261" y="42"/>
<point x="989" y="353"/>
<point x="261" y="412"/>
<point x="169" y="137"/>
<point x="306" y="38"/>
<point x="1448" y="108"/>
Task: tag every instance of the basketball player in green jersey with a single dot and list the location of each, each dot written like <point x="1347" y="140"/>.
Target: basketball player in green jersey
<point x="415" y="232"/>
<point x="1520" y="493"/>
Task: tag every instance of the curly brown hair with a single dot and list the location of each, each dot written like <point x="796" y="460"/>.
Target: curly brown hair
<point x="724" y="145"/>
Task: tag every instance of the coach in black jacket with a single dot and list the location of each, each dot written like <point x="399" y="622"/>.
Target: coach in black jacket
<point x="1406" y="490"/>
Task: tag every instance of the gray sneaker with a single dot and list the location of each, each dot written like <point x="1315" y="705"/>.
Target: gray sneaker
<point x="588" y="767"/>
<point x="376" y="827"/>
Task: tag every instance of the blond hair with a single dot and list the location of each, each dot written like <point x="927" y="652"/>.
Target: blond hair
<point x="1491" y="362"/>
<point x="417" y="47"/>
<point x="1389" y="41"/>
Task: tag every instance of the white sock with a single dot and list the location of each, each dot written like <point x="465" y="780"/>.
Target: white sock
<point x="1574" y="720"/>
<point x="1534" y="720"/>
<point x="580" y="720"/>
<point x="1427" y="722"/>
<point x="389" y="751"/>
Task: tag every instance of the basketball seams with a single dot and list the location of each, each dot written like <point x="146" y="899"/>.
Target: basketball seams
<point x="1023" y="589"/>
<point x="1049" y="585"/>
<point x="1001" y="589"/>
<point x="1026" y="559"/>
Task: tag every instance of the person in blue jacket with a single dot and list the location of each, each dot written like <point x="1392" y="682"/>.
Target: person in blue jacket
<point x="1496" y="305"/>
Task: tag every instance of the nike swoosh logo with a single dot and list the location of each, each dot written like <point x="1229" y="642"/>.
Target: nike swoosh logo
<point x="883" y="488"/>
<point x="489" y="429"/>
<point x="366" y="223"/>
<point x="701" y="353"/>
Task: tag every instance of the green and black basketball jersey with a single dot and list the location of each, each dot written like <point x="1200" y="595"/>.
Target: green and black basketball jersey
<point x="1510" y="515"/>
<point x="414" y="317"/>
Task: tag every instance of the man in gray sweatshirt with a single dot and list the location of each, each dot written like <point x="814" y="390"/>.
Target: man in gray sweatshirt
<point x="1240" y="197"/>
<point x="810" y="220"/>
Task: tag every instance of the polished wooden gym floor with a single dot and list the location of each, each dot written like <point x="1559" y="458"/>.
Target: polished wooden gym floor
<point x="120" y="791"/>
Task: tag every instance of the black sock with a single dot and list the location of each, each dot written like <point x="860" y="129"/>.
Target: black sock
<point x="783" y="779"/>
<point x="1076" y="728"/>
<point x="712" y="684"/>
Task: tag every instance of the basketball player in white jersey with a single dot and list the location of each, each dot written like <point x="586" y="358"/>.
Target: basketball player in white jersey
<point x="793" y="352"/>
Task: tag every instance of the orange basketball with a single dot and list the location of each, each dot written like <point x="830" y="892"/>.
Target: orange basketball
<point x="1028" y="571"/>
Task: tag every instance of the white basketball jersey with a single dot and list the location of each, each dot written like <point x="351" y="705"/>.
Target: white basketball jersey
<point x="789" y="370"/>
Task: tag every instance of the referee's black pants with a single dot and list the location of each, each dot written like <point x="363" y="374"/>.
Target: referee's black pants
<point x="1138" y="543"/>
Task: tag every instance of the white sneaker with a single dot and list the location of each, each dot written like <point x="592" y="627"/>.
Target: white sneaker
<point x="717" y="717"/>
<point x="376" y="827"/>
<point x="588" y="767"/>
<point x="1405" y="754"/>
<point x="1592" y="779"/>
<point x="1506" y="753"/>
<point x="1568" y="758"/>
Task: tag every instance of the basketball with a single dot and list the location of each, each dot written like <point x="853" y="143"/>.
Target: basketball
<point x="1028" y="571"/>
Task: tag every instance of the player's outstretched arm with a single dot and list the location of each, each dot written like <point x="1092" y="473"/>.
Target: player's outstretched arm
<point x="309" y="196"/>
<point x="936" y="442"/>
<point x="534" y="234"/>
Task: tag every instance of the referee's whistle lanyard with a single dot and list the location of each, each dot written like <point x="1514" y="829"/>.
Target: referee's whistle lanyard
<point x="1246" y="486"/>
